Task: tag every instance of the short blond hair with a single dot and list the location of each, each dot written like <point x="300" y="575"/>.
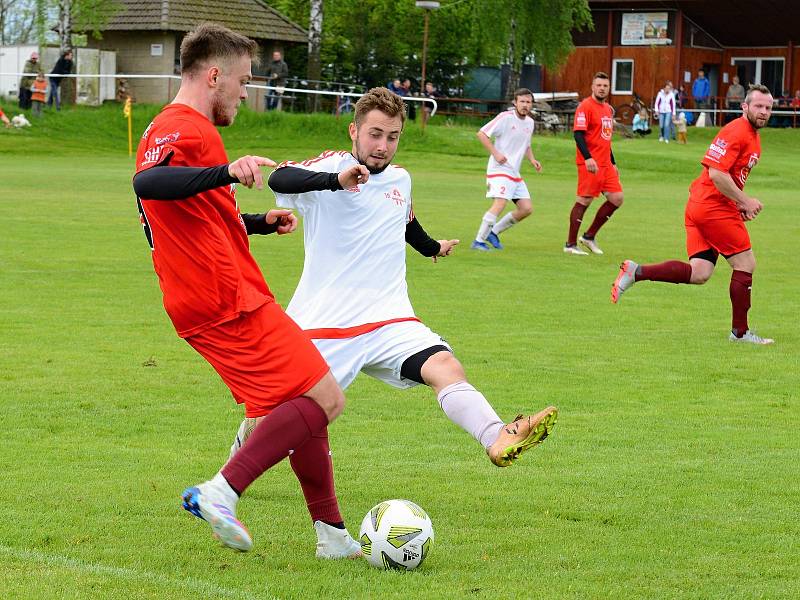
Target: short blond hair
<point x="381" y="99"/>
<point x="756" y="88"/>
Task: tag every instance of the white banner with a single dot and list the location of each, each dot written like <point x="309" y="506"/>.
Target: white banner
<point x="645" y="29"/>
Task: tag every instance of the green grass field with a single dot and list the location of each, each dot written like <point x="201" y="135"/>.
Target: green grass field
<point x="674" y="471"/>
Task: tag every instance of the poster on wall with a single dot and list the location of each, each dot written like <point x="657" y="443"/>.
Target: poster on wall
<point x="644" y="29"/>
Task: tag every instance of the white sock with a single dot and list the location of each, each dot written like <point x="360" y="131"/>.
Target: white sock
<point x="222" y="485"/>
<point x="468" y="408"/>
<point x="489" y="219"/>
<point x="504" y="223"/>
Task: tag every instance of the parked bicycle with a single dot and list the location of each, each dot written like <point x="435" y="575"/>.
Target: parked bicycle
<point x="625" y="112"/>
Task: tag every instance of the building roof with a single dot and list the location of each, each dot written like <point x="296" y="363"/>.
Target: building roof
<point x="733" y="23"/>
<point x="252" y="18"/>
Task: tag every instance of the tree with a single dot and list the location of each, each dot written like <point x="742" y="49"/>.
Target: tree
<point x="315" y="46"/>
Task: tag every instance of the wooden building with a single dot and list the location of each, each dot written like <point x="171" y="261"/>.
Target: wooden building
<point x="643" y="43"/>
<point x="147" y="34"/>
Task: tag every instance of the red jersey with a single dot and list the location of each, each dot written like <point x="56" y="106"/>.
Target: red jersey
<point x="201" y="253"/>
<point x="735" y="150"/>
<point x="597" y="120"/>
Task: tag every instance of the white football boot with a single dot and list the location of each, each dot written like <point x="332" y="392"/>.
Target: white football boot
<point x="215" y="502"/>
<point x="751" y="337"/>
<point x="333" y="543"/>
<point x="590" y="244"/>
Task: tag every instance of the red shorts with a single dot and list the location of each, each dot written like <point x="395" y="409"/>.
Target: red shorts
<point x="715" y="226"/>
<point x="263" y="357"/>
<point x="591" y="185"/>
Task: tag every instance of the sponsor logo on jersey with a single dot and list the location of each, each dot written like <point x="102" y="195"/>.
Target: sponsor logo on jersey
<point x="395" y="196"/>
<point x="151" y="156"/>
<point x="721" y="143"/>
<point x="147" y="131"/>
<point x="355" y="189"/>
<point x="580" y="119"/>
<point x="607" y="127"/>
<point x="169" y="138"/>
<point x="717" y="150"/>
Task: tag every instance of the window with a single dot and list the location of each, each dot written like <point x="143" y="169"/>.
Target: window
<point x="766" y="71"/>
<point x="622" y="77"/>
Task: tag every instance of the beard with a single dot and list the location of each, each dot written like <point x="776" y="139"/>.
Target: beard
<point x="754" y="121"/>
<point x="372" y="169"/>
<point x="221" y="115"/>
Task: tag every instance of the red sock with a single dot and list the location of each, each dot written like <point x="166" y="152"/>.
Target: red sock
<point x="672" y="271"/>
<point x="575" y="218"/>
<point x="603" y="215"/>
<point x="313" y="466"/>
<point x="741" y="283"/>
<point x="287" y="427"/>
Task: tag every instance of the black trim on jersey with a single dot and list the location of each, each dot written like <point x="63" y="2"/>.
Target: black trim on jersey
<point x="177" y="183"/>
<point x="580" y="141"/>
<point x="257" y="224"/>
<point x="412" y="366"/>
<point x="421" y="241"/>
<point x="294" y="180"/>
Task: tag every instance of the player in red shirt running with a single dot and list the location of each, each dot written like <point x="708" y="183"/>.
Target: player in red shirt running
<point x="597" y="169"/>
<point x="216" y="295"/>
<point x="715" y="216"/>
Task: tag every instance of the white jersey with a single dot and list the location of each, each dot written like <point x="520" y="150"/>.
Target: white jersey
<point x="512" y="137"/>
<point x="355" y="262"/>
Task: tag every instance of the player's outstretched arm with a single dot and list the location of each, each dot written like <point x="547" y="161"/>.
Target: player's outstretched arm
<point x="247" y="170"/>
<point x="294" y="180"/>
<point x="445" y="248"/>
<point x="163" y="182"/>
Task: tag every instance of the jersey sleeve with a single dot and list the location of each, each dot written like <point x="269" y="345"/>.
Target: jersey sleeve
<point x="327" y="162"/>
<point x="582" y="118"/>
<point x="494" y="128"/>
<point x="722" y="152"/>
<point x="178" y="143"/>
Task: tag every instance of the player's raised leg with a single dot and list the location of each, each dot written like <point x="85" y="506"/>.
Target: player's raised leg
<point x="468" y="408"/>
<point x="523" y="210"/>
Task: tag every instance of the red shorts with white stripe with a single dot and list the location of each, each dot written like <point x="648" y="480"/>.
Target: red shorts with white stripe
<point x="718" y="227"/>
<point x="500" y="185"/>
<point x="591" y="185"/>
<point x="263" y="357"/>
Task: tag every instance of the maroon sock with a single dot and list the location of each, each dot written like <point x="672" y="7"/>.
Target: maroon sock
<point x="603" y="215"/>
<point x="672" y="271"/>
<point x="286" y="428"/>
<point x="313" y="466"/>
<point x="741" y="283"/>
<point x="575" y="218"/>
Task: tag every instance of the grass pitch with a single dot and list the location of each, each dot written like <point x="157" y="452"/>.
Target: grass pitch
<point x="673" y="472"/>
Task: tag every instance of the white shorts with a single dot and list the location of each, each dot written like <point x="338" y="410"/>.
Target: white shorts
<point x="379" y="353"/>
<point x="505" y="188"/>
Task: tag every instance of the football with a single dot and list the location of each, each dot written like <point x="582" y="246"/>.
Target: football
<point x="396" y="534"/>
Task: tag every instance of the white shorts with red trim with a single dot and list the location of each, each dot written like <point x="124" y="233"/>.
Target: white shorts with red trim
<point x="507" y="187"/>
<point x="379" y="353"/>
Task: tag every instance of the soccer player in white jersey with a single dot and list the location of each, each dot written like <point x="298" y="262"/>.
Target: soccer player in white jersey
<point x="352" y="297"/>
<point x="512" y="131"/>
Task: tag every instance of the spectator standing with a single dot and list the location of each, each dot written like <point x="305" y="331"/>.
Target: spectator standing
<point x="63" y="67"/>
<point x="30" y="69"/>
<point x="396" y="87"/>
<point x="665" y="108"/>
<point x="277" y="73"/>
<point x="406" y="93"/>
<point x="681" y="97"/>
<point x="701" y="90"/>
<point x="733" y="99"/>
<point x="427" y="109"/>
<point x="38" y="94"/>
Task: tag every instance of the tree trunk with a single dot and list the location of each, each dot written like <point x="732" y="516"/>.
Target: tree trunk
<point x="65" y="15"/>
<point x="513" y="67"/>
<point x="314" y="47"/>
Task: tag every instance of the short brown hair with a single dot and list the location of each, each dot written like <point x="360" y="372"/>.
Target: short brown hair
<point x="755" y="88"/>
<point x="522" y="92"/>
<point x="383" y="100"/>
<point x="600" y="75"/>
<point x="214" y="41"/>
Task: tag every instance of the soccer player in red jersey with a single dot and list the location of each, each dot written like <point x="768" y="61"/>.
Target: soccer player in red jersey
<point x="217" y="298"/>
<point x="715" y="216"/>
<point x="597" y="169"/>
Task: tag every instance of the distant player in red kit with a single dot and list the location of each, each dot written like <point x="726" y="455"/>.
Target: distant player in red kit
<point x="597" y="169"/>
<point x="715" y="216"/>
<point x="217" y="298"/>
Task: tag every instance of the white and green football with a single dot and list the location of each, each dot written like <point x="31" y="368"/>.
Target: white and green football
<point x="396" y="534"/>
